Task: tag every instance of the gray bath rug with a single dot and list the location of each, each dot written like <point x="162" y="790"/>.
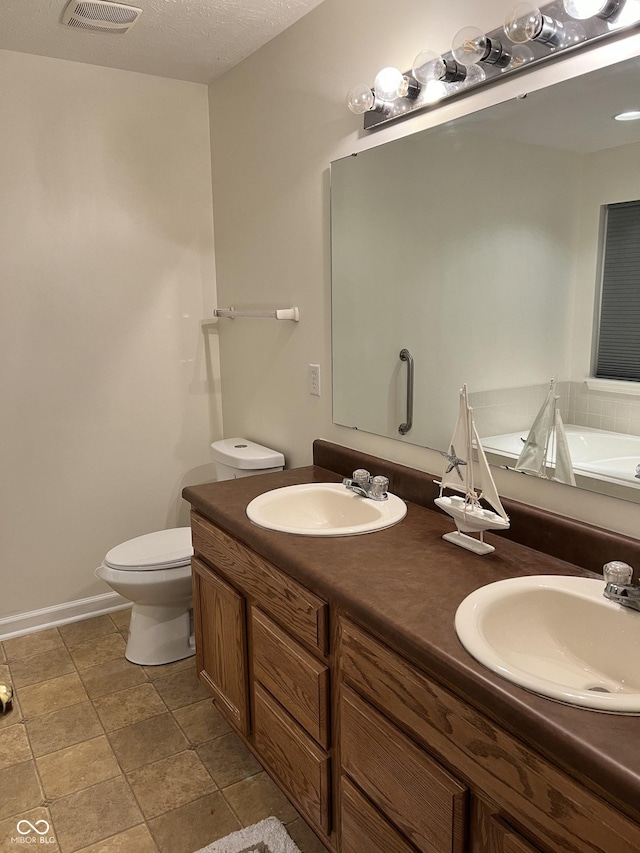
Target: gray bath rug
<point x="268" y="836"/>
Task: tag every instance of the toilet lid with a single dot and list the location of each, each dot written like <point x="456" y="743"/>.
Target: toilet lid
<point x="164" y="549"/>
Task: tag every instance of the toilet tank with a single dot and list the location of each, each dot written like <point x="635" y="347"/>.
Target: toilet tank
<point x="239" y="457"/>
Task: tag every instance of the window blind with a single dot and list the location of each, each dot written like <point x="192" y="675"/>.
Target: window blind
<point x="619" y="334"/>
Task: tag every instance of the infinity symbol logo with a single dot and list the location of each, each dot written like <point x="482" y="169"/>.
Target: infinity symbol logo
<point x="30" y="827"/>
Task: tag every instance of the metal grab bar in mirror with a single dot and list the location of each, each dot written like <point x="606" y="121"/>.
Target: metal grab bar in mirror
<point x="405" y="355"/>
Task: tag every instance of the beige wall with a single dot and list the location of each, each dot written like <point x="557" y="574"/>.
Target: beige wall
<point x="277" y="121"/>
<point x="109" y="398"/>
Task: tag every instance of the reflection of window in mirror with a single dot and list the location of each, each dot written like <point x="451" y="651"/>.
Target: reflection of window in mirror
<point x="618" y="333"/>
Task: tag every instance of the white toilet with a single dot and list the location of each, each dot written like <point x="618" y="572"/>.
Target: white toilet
<point x="154" y="571"/>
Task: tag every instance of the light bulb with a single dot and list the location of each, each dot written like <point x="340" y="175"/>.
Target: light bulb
<point x="428" y="66"/>
<point x="583" y="9"/>
<point x="360" y="99"/>
<point x="390" y="84"/>
<point x="469" y="46"/>
<point x="525" y="22"/>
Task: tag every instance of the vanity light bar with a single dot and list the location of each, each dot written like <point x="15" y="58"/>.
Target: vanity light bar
<point x="529" y="37"/>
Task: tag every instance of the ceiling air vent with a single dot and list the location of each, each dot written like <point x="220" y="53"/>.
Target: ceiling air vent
<point x="100" y="15"/>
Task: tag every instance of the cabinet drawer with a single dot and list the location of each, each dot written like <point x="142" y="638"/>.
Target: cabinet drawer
<point x="364" y="829"/>
<point x="291" y="674"/>
<point x="489" y="758"/>
<point x="409" y="787"/>
<point x="300" y="765"/>
<point x="283" y="598"/>
<point x="507" y="840"/>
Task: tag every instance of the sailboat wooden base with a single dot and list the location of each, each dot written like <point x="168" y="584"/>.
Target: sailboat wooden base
<point x="478" y="546"/>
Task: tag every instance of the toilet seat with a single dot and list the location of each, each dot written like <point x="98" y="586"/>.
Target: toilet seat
<point x="164" y="549"/>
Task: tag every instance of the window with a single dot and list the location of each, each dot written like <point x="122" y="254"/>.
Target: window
<point x="618" y="355"/>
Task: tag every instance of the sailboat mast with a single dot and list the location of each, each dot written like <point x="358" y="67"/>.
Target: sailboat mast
<point x="469" y="471"/>
<point x="550" y="431"/>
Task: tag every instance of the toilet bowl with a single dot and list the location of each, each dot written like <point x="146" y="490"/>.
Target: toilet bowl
<point x="154" y="572"/>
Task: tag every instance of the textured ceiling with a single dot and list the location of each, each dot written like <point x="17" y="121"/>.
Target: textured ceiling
<point x="195" y="40"/>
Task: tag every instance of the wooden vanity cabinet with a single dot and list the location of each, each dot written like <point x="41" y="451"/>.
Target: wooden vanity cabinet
<point x="517" y="801"/>
<point x="261" y="649"/>
<point x="401" y="765"/>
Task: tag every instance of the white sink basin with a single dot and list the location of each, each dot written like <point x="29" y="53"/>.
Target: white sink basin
<point x="556" y="636"/>
<point x="323" y="509"/>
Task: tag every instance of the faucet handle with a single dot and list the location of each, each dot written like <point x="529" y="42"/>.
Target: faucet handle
<point x="379" y="486"/>
<point x="617" y="572"/>
<point x="361" y="476"/>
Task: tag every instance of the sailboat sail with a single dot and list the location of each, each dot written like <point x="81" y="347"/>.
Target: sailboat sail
<point x="533" y="457"/>
<point x="489" y="491"/>
<point x="547" y="440"/>
<point x="459" y="463"/>
<point x="564" y="466"/>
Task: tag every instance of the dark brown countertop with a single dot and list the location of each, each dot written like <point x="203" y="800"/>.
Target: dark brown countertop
<point x="406" y="583"/>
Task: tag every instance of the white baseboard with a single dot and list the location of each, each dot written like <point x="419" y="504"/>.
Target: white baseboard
<point x="61" y="614"/>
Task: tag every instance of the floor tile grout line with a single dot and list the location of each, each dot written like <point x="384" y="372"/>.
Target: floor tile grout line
<point x="113" y="835"/>
<point x="24" y="721"/>
<point x="233" y="811"/>
<point x="120" y="768"/>
<point x="119" y="728"/>
<point x="45" y="799"/>
<point x="116" y="630"/>
<point x="177" y="808"/>
<point x="94" y="702"/>
<point x="120" y="774"/>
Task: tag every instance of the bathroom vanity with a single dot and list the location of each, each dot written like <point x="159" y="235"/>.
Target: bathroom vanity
<point x="337" y="661"/>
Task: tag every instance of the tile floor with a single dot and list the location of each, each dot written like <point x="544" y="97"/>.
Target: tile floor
<point x="118" y="757"/>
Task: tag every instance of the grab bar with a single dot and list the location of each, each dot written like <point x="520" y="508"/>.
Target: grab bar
<point x="405" y="355"/>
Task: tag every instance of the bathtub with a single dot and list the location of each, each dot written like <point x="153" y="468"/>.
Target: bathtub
<point x="596" y="453"/>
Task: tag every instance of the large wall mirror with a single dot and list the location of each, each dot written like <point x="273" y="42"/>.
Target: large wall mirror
<point x="477" y="246"/>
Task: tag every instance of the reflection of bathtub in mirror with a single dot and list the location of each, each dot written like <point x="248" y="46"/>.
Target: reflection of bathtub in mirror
<point x="610" y="458"/>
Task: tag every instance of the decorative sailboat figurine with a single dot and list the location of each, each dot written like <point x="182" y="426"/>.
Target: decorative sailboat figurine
<point x="546" y="442"/>
<point x="459" y="475"/>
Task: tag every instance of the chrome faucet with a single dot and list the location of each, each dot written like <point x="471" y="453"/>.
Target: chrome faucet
<point x="362" y="483"/>
<point x="618" y="587"/>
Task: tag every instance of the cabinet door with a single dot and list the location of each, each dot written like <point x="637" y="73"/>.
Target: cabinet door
<point x="413" y="791"/>
<point x="221" y="643"/>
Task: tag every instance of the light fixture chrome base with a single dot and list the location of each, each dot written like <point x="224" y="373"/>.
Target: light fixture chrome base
<point x="610" y="23"/>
